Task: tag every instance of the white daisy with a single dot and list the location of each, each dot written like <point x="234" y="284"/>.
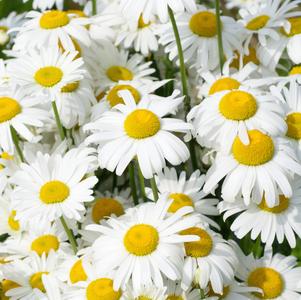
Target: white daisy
<point x="260" y="168"/>
<point x="175" y="291"/>
<point x="139" y="130"/>
<point x="144" y="292"/>
<point x="8" y="166"/>
<point x="4" y="76"/>
<point x="144" y="244"/>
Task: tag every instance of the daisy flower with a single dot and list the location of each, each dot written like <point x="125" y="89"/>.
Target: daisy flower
<point x="277" y="276"/>
<point x="54" y="186"/>
<point x="225" y="115"/>
<point x="144" y="239"/>
<point x="264" y="167"/>
<point x="144" y="292"/>
<point x="186" y="192"/>
<point x="46" y="4"/>
<point x="8" y="166"/>
<point x="148" y="8"/>
<point x="46" y="71"/>
<point x="139" y="130"/>
<point x="209" y="260"/>
<point x="175" y="291"/>
<point x="198" y="33"/>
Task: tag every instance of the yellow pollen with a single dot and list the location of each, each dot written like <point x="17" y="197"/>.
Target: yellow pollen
<point x="105" y="207"/>
<point x="77" y="12"/>
<point x="76" y="47"/>
<point x="54" y="192"/>
<point x="117" y="73"/>
<point x="293" y="122"/>
<point x="36" y="282"/>
<point x="12" y="222"/>
<point x="268" y="280"/>
<point x="238" y="106"/>
<point x="9" y="108"/>
<point x="45" y="243"/>
<point x="258" y="22"/>
<point x="48" y="76"/>
<point x="174" y="297"/>
<point x="70" y="87"/>
<point x="6" y="156"/>
<point x="282" y="206"/>
<point x="77" y="272"/>
<point x="54" y="19"/>
<point x="251" y="57"/>
<point x="296" y="70"/>
<point x="141" y="240"/>
<point x="179" y="201"/>
<point x="203" y="24"/>
<point x="114" y="99"/>
<point x="224" y="294"/>
<point x="7" y="285"/>
<point x="259" y="151"/>
<point x="295" y="27"/>
<point x="100" y="96"/>
<point x="143" y="298"/>
<point x="102" y="289"/>
<point x="224" y="84"/>
<point x="141" y="23"/>
<point x="199" y="248"/>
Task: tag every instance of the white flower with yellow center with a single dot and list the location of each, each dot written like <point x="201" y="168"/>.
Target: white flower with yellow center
<point x="52" y="28"/>
<point x="8" y="166"/>
<point x="209" y="260"/>
<point x="22" y="113"/>
<point x="144" y="244"/>
<point x="174" y="291"/>
<point x="47" y="71"/>
<point x="198" y="33"/>
<point x="186" y="192"/>
<point x="109" y="66"/>
<point x="159" y="8"/>
<point x="139" y="130"/>
<point x="54" y="186"/>
<point x="264" y="167"/>
<point x="225" y="115"/>
<point x="149" y="292"/>
<point x="275" y="275"/>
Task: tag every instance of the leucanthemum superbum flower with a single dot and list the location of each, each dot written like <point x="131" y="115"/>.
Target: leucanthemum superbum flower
<point x="139" y="130"/>
<point x="175" y="291"/>
<point x="144" y="292"/>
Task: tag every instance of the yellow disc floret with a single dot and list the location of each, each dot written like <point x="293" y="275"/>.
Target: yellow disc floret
<point x="77" y="272"/>
<point x="203" y="24"/>
<point x="179" y="201"/>
<point x="174" y="297"/>
<point x="212" y="293"/>
<point x="9" y="108"/>
<point x="141" y="23"/>
<point x="54" y="19"/>
<point x="224" y="84"/>
<point x="12" y="222"/>
<point x="117" y="73"/>
<point x="295" y="27"/>
<point x="102" y="289"/>
<point x="70" y="87"/>
<point x="282" y="206"/>
<point x="141" y="239"/>
<point x="48" y="76"/>
<point x="141" y="124"/>
<point x="7" y="285"/>
<point x="296" y="70"/>
<point x="258" y="22"/>
<point x="268" y="280"/>
<point x="45" y="243"/>
<point x="293" y="122"/>
<point x="114" y="98"/>
<point x="105" y="207"/>
<point x="238" y="106"/>
<point x="36" y="282"/>
<point x="54" y="192"/>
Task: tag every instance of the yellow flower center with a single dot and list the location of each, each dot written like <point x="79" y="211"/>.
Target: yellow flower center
<point x="258" y="22"/>
<point x="174" y="297"/>
<point x="7" y="285"/>
<point x="238" y="106"/>
<point x="36" y="282"/>
<point x="252" y="57"/>
<point x="45" y="243"/>
<point x="54" y="192"/>
<point x="143" y="298"/>
<point x="105" y="207"/>
<point x="267" y="279"/>
<point x="12" y="222"/>
<point x="114" y="99"/>
<point x="295" y="27"/>
<point x="293" y="122"/>
<point x="223" y="295"/>
<point x="102" y="288"/>
<point x="141" y="23"/>
<point x="224" y="84"/>
<point x="259" y="151"/>
<point x="9" y="108"/>
<point x="70" y="87"/>
<point x="76" y="47"/>
<point x="282" y="206"/>
<point x="141" y="124"/>
<point x="77" y="272"/>
<point x="179" y="201"/>
<point x="117" y="73"/>
<point x="296" y="70"/>
<point x="54" y="19"/>
<point x="6" y="156"/>
<point x="48" y="76"/>
<point x="199" y="248"/>
<point x="203" y="24"/>
<point x="77" y="12"/>
<point x="141" y="240"/>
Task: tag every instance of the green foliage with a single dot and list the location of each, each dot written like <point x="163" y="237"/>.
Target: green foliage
<point x="7" y="6"/>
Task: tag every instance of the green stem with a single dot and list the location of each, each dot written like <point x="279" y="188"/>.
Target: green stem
<point x="133" y="183"/>
<point x="114" y="183"/>
<point x="202" y="293"/>
<point x="94" y="7"/>
<point x="219" y="35"/>
<point x="70" y="235"/>
<point x="16" y="140"/>
<point x="154" y="188"/>
<point x="58" y="121"/>
<point x="257" y="248"/>
<point x="141" y="182"/>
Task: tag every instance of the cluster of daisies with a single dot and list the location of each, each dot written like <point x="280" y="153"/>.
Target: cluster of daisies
<point x="151" y="150"/>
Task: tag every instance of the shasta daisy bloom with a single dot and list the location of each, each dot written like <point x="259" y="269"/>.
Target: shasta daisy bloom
<point x="209" y="260"/>
<point x="46" y="71"/>
<point x="264" y="167"/>
<point x="277" y="276"/>
<point x="225" y="115"/>
<point x="144" y="292"/>
<point x="144" y="239"/>
<point x="139" y="130"/>
<point x="54" y="186"/>
<point x="186" y="192"/>
<point x="198" y="33"/>
<point x="148" y="8"/>
<point x="175" y="291"/>
<point x="8" y="166"/>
